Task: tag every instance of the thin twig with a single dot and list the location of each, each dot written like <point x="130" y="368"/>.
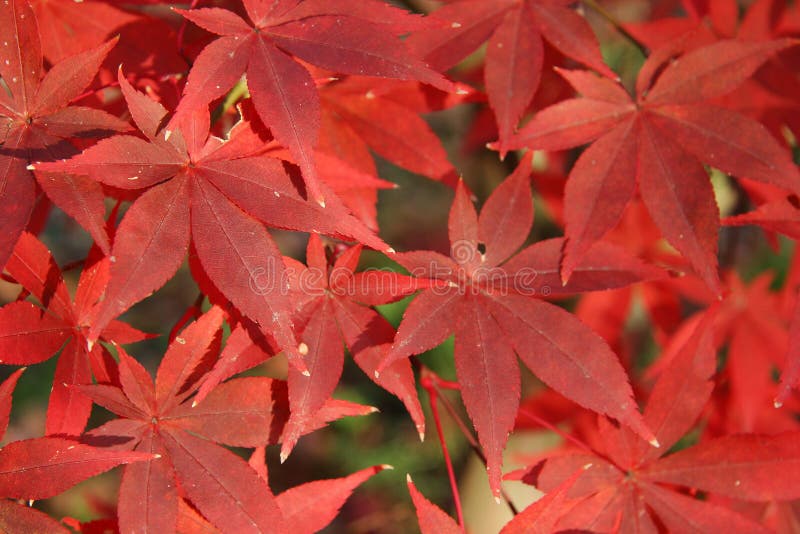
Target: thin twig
<point x="432" y="384"/>
<point x="432" y="399"/>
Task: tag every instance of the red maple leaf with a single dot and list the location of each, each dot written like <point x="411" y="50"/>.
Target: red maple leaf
<point x="489" y="304"/>
<point x="162" y="418"/>
<point x="213" y="193"/>
<point x="145" y="47"/>
<point x="350" y="37"/>
<point x="659" y="141"/>
<point x="632" y="487"/>
<point x="309" y="507"/>
<point x="361" y="113"/>
<point x="515" y="51"/>
<point x="331" y="303"/>
<point x="36" y="120"/>
<point x="770" y="96"/>
<point x="43" y="467"/>
<point x="30" y="334"/>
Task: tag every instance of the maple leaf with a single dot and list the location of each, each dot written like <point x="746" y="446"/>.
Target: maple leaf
<point x="309" y="507"/>
<point x="29" y="334"/>
<point x="770" y="96"/>
<point x="758" y="337"/>
<point x="658" y="141"/>
<point x="43" y="467"/>
<point x="213" y="193"/>
<point x="630" y="484"/>
<point x="157" y="420"/>
<point x="489" y="304"/>
<point x="161" y="418"/>
<point x="348" y="37"/>
<point x="37" y="120"/>
<point x="513" y="30"/>
<point x="333" y="315"/>
<point x="145" y="43"/>
<point x="361" y="113"/>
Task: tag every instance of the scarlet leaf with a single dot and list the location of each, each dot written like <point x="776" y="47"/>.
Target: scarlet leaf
<point x="324" y="359"/>
<point x="746" y="467"/>
<point x="607" y="171"/>
<point x="514" y="55"/>
<point x="432" y="520"/>
<point x="43" y="467"/>
<point x="686" y="214"/>
<point x="232" y="264"/>
<point x="29" y="335"/>
<point x="35" y="103"/>
<point x="15" y="517"/>
<point x="541" y="516"/>
<point x="68" y="409"/>
<point x="684" y="514"/>
<point x="222" y="486"/>
<point x="151" y="243"/>
<point x="6" y="389"/>
<point x="712" y="71"/>
<point x="312" y="506"/>
<point x="283" y="90"/>
<point x="659" y="137"/>
<point x="68" y="78"/>
<point x="183" y="357"/>
<point x="507" y="216"/>
<point x="491" y="312"/>
<point x="236" y="413"/>
<point x="569" y="357"/>
<point x="148" y="498"/>
<point x="34" y="268"/>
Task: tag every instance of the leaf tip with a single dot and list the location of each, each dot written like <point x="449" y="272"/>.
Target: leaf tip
<point x="587" y="466"/>
<point x="156" y="456"/>
<point x="654" y="442"/>
<point x="385" y="467"/>
<point x="284" y="456"/>
<point x="31" y="167"/>
<point x="302" y="348"/>
<point x="777" y="404"/>
<point x="408" y="479"/>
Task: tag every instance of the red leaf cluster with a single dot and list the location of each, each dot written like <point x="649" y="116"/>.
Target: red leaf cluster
<point x="662" y="354"/>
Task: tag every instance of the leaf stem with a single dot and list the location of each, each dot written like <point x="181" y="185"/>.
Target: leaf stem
<point x="432" y="399"/>
<point x="433" y="384"/>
